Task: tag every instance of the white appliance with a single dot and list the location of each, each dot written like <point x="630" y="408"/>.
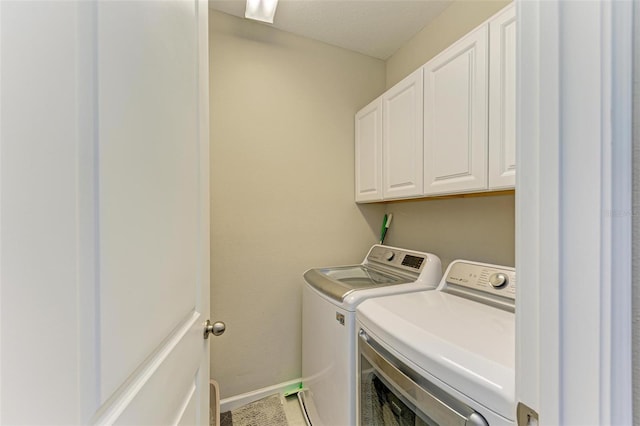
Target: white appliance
<point x="443" y="357"/>
<point x="330" y="298"/>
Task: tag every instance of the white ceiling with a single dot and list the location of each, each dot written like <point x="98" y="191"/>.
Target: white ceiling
<point x="376" y="28"/>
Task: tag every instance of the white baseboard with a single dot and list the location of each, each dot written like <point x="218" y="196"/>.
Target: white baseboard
<point x="234" y="402"/>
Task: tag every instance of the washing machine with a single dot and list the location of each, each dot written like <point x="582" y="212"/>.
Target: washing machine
<point x="330" y="298"/>
<point x="443" y="357"/>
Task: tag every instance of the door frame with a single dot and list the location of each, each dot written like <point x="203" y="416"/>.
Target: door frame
<point x="574" y="211"/>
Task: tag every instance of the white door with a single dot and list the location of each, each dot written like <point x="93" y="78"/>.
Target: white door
<point x="104" y="219"/>
<point x="402" y="138"/>
<point x="455" y="117"/>
<point x="368" y="124"/>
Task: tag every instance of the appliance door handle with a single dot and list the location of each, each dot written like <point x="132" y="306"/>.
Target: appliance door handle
<point x="433" y="405"/>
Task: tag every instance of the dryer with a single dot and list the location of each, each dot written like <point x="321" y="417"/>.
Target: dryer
<point x="444" y="357"/>
<point x="330" y="298"/>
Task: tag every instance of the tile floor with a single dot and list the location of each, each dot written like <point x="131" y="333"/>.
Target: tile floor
<point x="292" y="410"/>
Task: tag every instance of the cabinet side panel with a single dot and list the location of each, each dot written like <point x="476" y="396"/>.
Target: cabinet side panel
<point x="502" y="98"/>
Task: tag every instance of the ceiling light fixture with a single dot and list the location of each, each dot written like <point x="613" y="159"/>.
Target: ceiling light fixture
<point x="261" y="10"/>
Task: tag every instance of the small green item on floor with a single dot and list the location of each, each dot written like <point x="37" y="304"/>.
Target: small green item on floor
<point x="293" y="391"/>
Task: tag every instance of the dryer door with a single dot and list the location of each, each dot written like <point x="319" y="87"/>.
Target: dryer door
<point x="392" y="393"/>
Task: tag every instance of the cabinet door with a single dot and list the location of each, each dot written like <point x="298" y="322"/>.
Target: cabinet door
<point x="402" y="140"/>
<point x="455" y="117"/>
<point x="368" y="124"/>
<point x="502" y="100"/>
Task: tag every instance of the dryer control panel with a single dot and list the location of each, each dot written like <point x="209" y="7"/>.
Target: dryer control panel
<point x="482" y="278"/>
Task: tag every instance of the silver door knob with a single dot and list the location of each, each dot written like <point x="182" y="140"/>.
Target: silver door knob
<point x="217" y="328"/>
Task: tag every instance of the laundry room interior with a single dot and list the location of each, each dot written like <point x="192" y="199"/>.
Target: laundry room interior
<point x="282" y="110"/>
<point x="354" y="212"/>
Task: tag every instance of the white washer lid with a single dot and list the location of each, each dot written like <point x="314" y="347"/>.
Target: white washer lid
<point x="466" y="344"/>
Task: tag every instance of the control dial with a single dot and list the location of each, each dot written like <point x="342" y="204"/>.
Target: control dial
<point x="498" y="280"/>
<point x="389" y="255"/>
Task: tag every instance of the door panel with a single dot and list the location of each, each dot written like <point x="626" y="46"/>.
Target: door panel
<point x="104" y="220"/>
<point x="452" y="92"/>
<point x="189" y="413"/>
<point x="161" y="389"/>
<point x="402" y="137"/>
<point x="148" y="182"/>
<point x="368" y="124"/>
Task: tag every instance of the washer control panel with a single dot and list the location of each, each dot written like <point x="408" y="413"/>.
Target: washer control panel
<point x="478" y="277"/>
<point x="404" y="260"/>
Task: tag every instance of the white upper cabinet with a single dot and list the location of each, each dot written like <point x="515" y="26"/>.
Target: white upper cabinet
<point x="368" y="154"/>
<point x="402" y="138"/>
<point x="449" y="127"/>
<point x="502" y="99"/>
<point x="455" y="117"/>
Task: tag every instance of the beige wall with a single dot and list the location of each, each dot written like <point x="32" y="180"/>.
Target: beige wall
<point x="282" y="111"/>
<point x="474" y="228"/>
<point x="481" y="228"/>
<point x="454" y="22"/>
